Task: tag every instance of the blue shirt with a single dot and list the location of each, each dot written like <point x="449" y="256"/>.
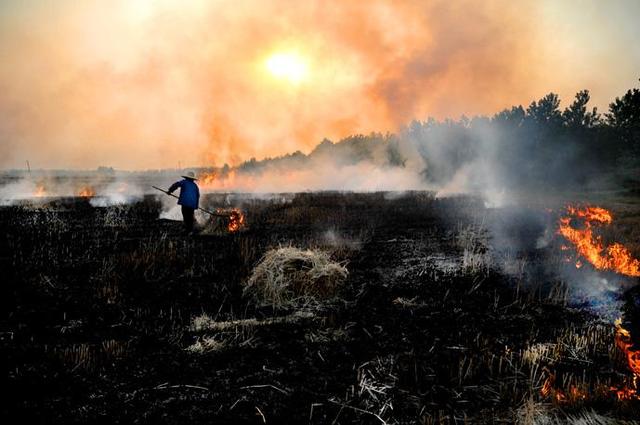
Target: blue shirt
<point x="189" y="193"/>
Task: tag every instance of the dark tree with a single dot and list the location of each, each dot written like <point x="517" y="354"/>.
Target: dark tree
<point x="625" y="112"/>
<point x="576" y="115"/>
<point x="624" y="117"/>
<point x="394" y="156"/>
<point x="541" y="146"/>
<point x="545" y="111"/>
<point x="510" y="117"/>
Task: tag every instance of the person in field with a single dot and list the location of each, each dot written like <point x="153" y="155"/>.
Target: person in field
<point x="188" y="199"/>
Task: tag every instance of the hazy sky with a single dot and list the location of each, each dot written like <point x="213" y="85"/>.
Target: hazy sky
<point x="146" y="84"/>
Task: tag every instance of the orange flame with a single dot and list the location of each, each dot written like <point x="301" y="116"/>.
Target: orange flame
<point x="626" y="391"/>
<point x="236" y="220"/>
<point x="87" y="192"/>
<point x="227" y="181"/>
<point x="207" y="179"/>
<point x="625" y="344"/>
<point x="614" y="257"/>
<point x="40" y="191"/>
<point x="574" y="394"/>
<point x="547" y="386"/>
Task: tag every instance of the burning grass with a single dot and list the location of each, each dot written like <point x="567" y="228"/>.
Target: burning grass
<point x="291" y="276"/>
<point x="585" y="366"/>
<point x="236" y="220"/>
<point x="225" y="221"/>
<point x="624" y="343"/>
<point x="589" y="245"/>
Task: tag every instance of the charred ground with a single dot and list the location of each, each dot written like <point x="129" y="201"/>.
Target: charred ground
<point x="99" y="308"/>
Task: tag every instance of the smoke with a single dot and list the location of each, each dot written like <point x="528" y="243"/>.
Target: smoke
<point x="41" y="187"/>
<point x="17" y="190"/>
<point x="117" y="193"/>
<point x="150" y="84"/>
<point x="361" y="177"/>
<point x="524" y="243"/>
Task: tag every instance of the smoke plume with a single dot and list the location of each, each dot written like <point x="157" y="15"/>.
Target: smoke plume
<point x="158" y="84"/>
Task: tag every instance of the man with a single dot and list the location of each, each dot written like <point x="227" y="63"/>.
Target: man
<point x="188" y="199"/>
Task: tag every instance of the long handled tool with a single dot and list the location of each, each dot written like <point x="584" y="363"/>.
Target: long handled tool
<point x="215" y="214"/>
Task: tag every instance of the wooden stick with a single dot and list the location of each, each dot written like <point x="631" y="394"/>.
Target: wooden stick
<point x="215" y="214"/>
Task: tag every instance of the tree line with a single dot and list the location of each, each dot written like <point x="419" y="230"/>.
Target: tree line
<point x="538" y="145"/>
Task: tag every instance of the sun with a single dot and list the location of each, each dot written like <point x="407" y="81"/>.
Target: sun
<point x="287" y="66"/>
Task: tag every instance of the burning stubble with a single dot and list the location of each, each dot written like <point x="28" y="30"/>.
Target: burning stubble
<point x="614" y="257"/>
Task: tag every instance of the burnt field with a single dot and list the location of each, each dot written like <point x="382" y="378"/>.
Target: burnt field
<point x="112" y="314"/>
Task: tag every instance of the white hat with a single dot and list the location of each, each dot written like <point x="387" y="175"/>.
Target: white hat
<point x="190" y="175"/>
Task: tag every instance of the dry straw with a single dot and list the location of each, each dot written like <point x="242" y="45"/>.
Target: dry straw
<point x="291" y="276"/>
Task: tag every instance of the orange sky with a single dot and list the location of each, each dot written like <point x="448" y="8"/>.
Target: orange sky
<point x="147" y="84"/>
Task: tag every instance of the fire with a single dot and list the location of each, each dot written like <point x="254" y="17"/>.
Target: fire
<point x="628" y="390"/>
<point x="40" y="191"/>
<point x="87" y="192"/>
<point x="574" y="394"/>
<point x="207" y="179"/>
<point x="613" y="257"/>
<point x="236" y="220"/>
<point x="625" y="345"/>
<point x="225" y="181"/>
<point x="547" y="386"/>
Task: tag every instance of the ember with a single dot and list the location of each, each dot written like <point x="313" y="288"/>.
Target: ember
<point x="614" y="257"/>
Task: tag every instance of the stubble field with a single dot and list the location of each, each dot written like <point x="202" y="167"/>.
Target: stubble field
<point x="112" y="314"/>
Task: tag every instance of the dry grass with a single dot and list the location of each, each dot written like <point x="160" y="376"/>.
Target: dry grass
<point x="205" y="323"/>
<point x="107" y="281"/>
<point x="220" y="335"/>
<point x="207" y="344"/>
<point x="533" y="413"/>
<point x="92" y="356"/>
<point x="573" y="344"/>
<point x="116" y="216"/>
<point x="513" y="265"/>
<point x="472" y="240"/>
<point x="562" y="372"/>
<point x="291" y="276"/>
<point x="376" y="382"/>
<point x="408" y="303"/>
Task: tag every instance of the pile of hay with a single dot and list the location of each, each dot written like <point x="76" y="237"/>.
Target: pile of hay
<point x="291" y="276"/>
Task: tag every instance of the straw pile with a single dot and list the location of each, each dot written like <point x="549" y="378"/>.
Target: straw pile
<point x="290" y="276"/>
